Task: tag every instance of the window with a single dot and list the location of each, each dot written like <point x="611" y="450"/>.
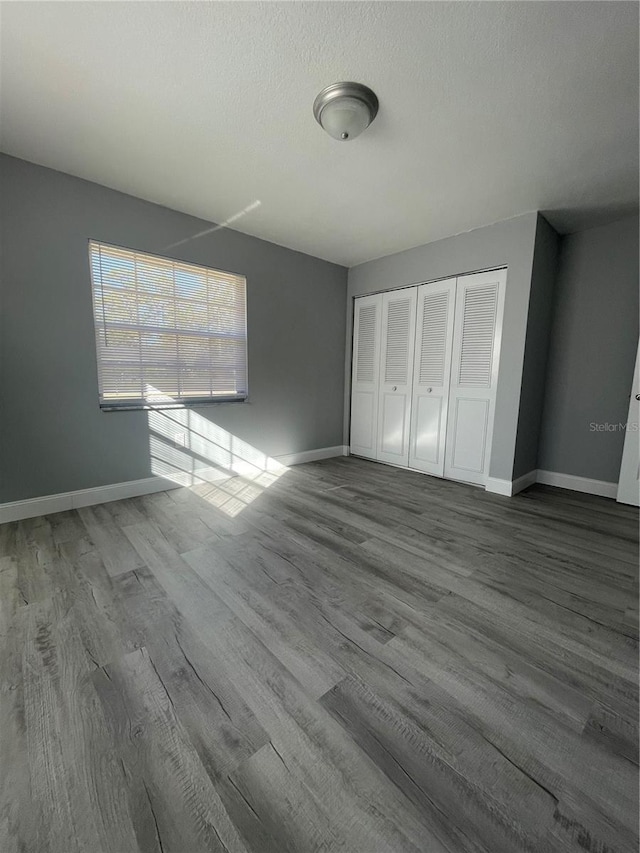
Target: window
<point x="167" y="332"/>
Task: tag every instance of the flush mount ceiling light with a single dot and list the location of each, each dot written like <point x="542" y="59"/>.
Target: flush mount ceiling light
<point x="344" y="110"/>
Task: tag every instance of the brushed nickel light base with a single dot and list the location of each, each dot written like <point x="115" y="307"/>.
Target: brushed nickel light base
<point x="333" y="94"/>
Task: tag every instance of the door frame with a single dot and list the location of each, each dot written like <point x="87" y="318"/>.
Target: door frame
<point x="628" y="480"/>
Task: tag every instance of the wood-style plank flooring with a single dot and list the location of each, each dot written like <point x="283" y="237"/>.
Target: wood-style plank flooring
<point x="351" y="657"/>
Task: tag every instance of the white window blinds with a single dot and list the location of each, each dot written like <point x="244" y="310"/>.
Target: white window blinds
<point x="166" y="331"/>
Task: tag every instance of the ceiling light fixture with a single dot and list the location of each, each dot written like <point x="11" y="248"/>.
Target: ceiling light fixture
<point x="344" y="110"/>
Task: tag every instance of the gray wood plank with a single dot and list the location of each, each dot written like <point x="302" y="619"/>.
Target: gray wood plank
<point x="366" y="810"/>
<point x="115" y="550"/>
<point x="313" y="668"/>
<point x="160" y="763"/>
<point x="15" y="830"/>
<point x="78" y="800"/>
<point x="597" y="784"/>
<point x="220" y="725"/>
<point x="442" y="768"/>
<point x="180" y="527"/>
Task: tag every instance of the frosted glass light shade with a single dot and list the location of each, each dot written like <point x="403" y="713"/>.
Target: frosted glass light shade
<point x="345" y="118"/>
<point x="344" y="110"/>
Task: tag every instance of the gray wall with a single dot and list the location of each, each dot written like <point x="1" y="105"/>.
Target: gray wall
<point x="539" y="320"/>
<point x="509" y="243"/>
<point x="592" y="351"/>
<point x="53" y="436"/>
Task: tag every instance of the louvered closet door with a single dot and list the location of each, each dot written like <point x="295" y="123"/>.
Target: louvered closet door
<point x="431" y="372"/>
<point x="396" y="367"/>
<point x="474" y="375"/>
<point x="365" y="375"/>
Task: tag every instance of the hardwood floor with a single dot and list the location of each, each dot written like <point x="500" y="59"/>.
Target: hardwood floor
<point x="353" y="658"/>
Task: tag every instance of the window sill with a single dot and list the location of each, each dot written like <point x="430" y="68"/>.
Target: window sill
<point x="156" y="407"/>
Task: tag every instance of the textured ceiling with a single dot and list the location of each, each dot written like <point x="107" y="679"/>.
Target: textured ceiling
<point x="487" y="110"/>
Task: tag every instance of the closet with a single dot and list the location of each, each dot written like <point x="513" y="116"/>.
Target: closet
<point x="425" y="373"/>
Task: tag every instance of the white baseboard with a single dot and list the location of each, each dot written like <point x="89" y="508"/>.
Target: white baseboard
<point x="498" y="487"/>
<point x="34" y="507"/>
<point x="578" y="484"/>
<point x="82" y="497"/>
<point x="312" y="455"/>
<point x="510" y="487"/>
<point x="552" y="478"/>
<point x="523" y="482"/>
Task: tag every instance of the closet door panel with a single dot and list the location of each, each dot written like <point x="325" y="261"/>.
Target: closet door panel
<point x="474" y="375"/>
<point x="427" y="433"/>
<point x="431" y="374"/>
<point x="396" y="367"/>
<point x="363" y="421"/>
<point x="365" y="373"/>
<point x="393" y="427"/>
<point x="470" y="434"/>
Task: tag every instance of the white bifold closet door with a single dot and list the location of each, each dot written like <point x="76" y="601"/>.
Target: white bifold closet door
<point x="431" y="372"/>
<point x="365" y="375"/>
<point x="474" y="375"/>
<point x="396" y="366"/>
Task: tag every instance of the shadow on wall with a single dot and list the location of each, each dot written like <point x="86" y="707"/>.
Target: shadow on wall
<point x="191" y="451"/>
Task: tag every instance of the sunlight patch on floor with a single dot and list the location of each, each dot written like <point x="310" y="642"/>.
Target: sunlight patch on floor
<point x="219" y="467"/>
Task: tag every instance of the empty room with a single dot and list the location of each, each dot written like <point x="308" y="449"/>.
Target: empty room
<point x="319" y="427"/>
